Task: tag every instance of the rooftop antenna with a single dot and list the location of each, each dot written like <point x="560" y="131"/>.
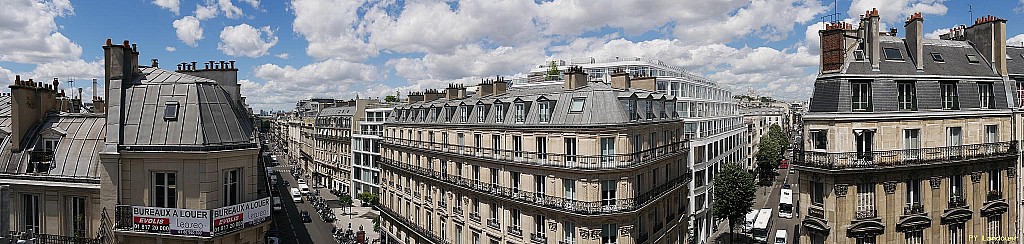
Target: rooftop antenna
<point x="970" y="9"/>
<point x="71" y="83"/>
<point x="833" y="17"/>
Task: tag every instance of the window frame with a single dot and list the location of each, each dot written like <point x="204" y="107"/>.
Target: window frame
<point x="907" y="95"/>
<point x="950" y="95"/>
<point x="860" y="96"/>
<point x="886" y="54"/>
<point x="168" y="187"/>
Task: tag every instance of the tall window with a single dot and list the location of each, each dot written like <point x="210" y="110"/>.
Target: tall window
<point x="914" y="237"/>
<point x="30" y="212"/>
<point x="956" y="186"/>
<point x="538" y="184"/>
<point x="1020" y="93"/>
<point x="865" y="140"/>
<point x="954" y="136"/>
<point x="608" y="192"/>
<point x="950" y="97"/>
<point x="985" y="93"/>
<point x="607" y="149"/>
<point x="911" y="143"/>
<point x="514" y="179"/>
<point x="818" y="193"/>
<point x="495" y="145"/>
<point x="481" y="113"/>
<point x="570" y="232"/>
<point x="913" y="192"/>
<point x="866" y="240"/>
<point x="538" y="225"/>
<point x="520" y="112"/>
<point x="461" y="140"/>
<point x="164" y="190"/>
<point x="478" y="143"/>
<point x="865" y="198"/>
<point x="570" y="150"/>
<point x="907" y="96"/>
<point x="77" y="216"/>
<point x="569" y="189"/>
<point x="542" y="148"/>
<point x="956" y="234"/>
<point x="609" y="234"/>
<point x="994" y="225"/>
<point x="232" y="187"/>
<point x="861" y="96"/>
<point x="464" y="117"/>
<point x="993" y="180"/>
<point x="514" y="217"/>
<point x="819" y="139"/>
<point x="544" y="111"/>
<point x="499" y="113"/>
<point x="494" y="177"/>
<point x="991" y="133"/>
<point x="517" y="146"/>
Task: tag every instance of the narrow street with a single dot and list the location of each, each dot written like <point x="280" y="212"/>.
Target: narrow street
<point x="289" y="225"/>
<point x="768" y="197"/>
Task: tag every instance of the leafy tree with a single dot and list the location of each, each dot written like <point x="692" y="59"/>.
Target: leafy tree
<point x="391" y="99"/>
<point x="346" y="200"/>
<point x="552" y="71"/>
<point x="734" y="194"/>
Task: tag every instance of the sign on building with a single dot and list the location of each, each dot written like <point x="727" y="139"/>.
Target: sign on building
<point x="236" y="217"/>
<point x="174" y="221"/>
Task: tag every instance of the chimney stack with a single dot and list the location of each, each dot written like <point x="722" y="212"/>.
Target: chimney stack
<point x="620" y="80"/>
<point x="155" y="64"/>
<point x="452" y="92"/>
<point x="30" y="102"/>
<point x="432" y="94"/>
<point x="500" y="86"/>
<point x="872" y="48"/>
<point x="914" y="26"/>
<point x="574" y="78"/>
<point x="415" y="97"/>
<point x="485" y="88"/>
<point x="988" y="34"/>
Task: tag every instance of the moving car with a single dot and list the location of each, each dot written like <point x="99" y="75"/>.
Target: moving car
<point x="296" y="195"/>
<point x="780" y="237"/>
<point x="304" y="188"/>
<point x="305" y="217"/>
<point x="277" y="203"/>
<point x="301" y="181"/>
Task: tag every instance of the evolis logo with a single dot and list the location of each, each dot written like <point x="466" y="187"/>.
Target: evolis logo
<point x="152" y="221"/>
<point x="228" y="220"/>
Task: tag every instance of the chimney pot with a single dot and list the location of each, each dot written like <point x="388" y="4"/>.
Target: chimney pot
<point x="126" y="44"/>
<point x="193" y="67"/>
<point x="156" y="64"/>
<point x="232" y="64"/>
<point x="134" y="49"/>
<point x="108" y="42"/>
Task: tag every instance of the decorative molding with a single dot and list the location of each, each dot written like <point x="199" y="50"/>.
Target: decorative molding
<point x="841" y="190"/>
<point x="595" y="234"/>
<point x="935" y="182"/>
<point x="584" y="234"/>
<point x="816" y="178"/>
<point x="1011" y="172"/>
<point x="552" y="226"/>
<point x="975" y="177"/>
<point x="890" y="187"/>
<point x="624" y="230"/>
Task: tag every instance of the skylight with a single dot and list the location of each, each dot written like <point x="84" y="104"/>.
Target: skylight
<point x="893" y="54"/>
<point x="972" y="58"/>
<point x="937" y="57"/>
<point x="577" y="104"/>
<point x="171" y="111"/>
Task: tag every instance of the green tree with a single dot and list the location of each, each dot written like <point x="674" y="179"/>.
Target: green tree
<point x="734" y="195"/>
<point x="346" y="200"/>
<point x="552" y="71"/>
<point x="391" y="99"/>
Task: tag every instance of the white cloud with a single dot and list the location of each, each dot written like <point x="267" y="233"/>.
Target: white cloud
<point x="253" y="3"/>
<point x="173" y="5"/>
<point x="435" y="27"/>
<point x="895" y="11"/>
<point x="282" y="55"/>
<point x="935" y="34"/>
<point x="31" y="35"/>
<point x="244" y="40"/>
<point x="1017" y="40"/>
<point x="188" y="30"/>
<point x="1020" y="7"/>
<point x="229" y="9"/>
<point x="205" y="12"/>
<point x="469" y="60"/>
<point x="170" y="49"/>
<point x="328" y="78"/>
<point x="331" y="28"/>
<point x="768" y="19"/>
<point x="79" y="69"/>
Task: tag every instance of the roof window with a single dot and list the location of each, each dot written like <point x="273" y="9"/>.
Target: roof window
<point x="858" y="55"/>
<point x="171" y="111"/>
<point x="972" y="58"/>
<point x="577" y="104"/>
<point x="937" y="57"/>
<point x="893" y="54"/>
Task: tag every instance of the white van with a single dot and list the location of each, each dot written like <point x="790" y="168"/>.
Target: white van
<point x="296" y="195"/>
<point x="277" y="203"/>
<point x="780" y="237"/>
<point x="304" y="188"/>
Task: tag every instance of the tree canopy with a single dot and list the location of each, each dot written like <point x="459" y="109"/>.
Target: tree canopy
<point x="769" y="153"/>
<point x="734" y="194"/>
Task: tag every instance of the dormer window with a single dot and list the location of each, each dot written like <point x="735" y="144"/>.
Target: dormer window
<point x="545" y="112"/>
<point x="464" y="117"/>
<point x="499" y="113"/>
<point x="893" y="54"/>
<point x="971" y="58"/>
<point x="50" y="144"/>
<point x="481" y="113"/>
<point x="520" y="112"/>
<point x="171" y="111"/>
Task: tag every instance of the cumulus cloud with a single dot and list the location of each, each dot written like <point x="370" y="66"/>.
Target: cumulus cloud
<point x="1017" y="40"/>
<point x="245" y="40"/>
<point x="331" y="27"/>
<point x="895" y="11"/>
<point x="436" y="27"/>
<point x="173" y="5"/>
<point x="170" y="49"/>
<point x="469" y="60"/>
<point x="282" y="55"/>
<point x="188" y="30"/>
<point x="253" y="3"/>
<point x="205" y="12"/>
<point x="31" y="34"/>
<point x="229" y="9"/>
<point x="768" y="19"/>
<point x="328" y="78"/>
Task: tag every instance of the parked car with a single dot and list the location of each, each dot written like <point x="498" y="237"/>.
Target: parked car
<point x="305" y="217"/>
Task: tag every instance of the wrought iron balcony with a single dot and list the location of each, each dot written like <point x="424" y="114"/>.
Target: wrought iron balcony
<point x="538" y="238"/>
<point x="515" y="231"/>
<point x="913" y="209"/>
<point x="618" y="205"/>
<point x="866" y="214"/>
<point x="475" y="217"/>
<point x="425" y="233"/>
<point x="494" y="223"/>
<point x="15" y="236"/>
<point x="591" y="162"/>
<point x="815" y="160"/>
<point x="957" y="201"/>
<point x="457" y="211"/>
<point x="994" y="196"/>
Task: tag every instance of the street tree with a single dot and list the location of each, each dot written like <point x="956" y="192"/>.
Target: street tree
<point x="734" y="195"/>
<point x="767" y="158"/>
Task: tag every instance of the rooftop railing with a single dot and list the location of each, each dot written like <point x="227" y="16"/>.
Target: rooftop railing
<point x="617" y="205"/>
<point x="589" y="162"/>
<point x="905" y="158"/>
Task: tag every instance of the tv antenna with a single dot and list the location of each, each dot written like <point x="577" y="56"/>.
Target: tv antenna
<point x="970" y="10"/>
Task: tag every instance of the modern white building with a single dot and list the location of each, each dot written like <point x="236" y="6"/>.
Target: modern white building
<point x="711" y="114"/>
<point x="366" y="149"/>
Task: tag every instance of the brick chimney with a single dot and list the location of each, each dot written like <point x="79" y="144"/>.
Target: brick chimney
<point x="620" y="80"/>
<point x="98" y="106"/>
<point x="574" y="78"/>
<point x="455" y="91"/>
<point x="30" y="102"/>
<point x="223" y="72"/>
<point x="914" y="26"/>
<point x="500" y="86"/>
<point x="988" y="34"/>
<point x="415" y="97"/>
<point x="485" y="88"/>
<point x="833" y="45"/>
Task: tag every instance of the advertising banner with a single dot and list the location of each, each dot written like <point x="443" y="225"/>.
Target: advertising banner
<point x="174" y="221"/>
<point x="232" y="218"/>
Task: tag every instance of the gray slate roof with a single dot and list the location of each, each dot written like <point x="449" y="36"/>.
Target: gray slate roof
<point x="602" y="106"/>
<point x="1015" y="62"/>
<point x="206" y="116"/>
<point x="338" y="111"/>
<point x="76" y="153"/>
<point x="954" y="53"/>
<point x="5" y="106"/>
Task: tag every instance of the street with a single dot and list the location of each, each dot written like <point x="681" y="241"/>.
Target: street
<point x="289" y="226"/>
<point x="768" y="197"/>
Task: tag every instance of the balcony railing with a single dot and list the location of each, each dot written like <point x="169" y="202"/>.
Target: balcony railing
<point x="957" y="201"/>
<point x="515" y="231"/>
<point x="905" y="158"/>
<point x="912" y="209"/>
<point x="475" y="217"/>
<point x="613" y="161"/>
<point x="866" y="214"/>
<point x="494" y="224"/>
<point x="50" y="239"/>
<point x="994" y="196"/>
<point x="617" y="205"/>
<point x="369" y="132"/>
<point x="457" y="211"/>
<point x="538" y="238"/>
<point x="429" y="235"/>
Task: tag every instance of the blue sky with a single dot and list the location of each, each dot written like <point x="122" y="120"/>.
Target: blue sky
<point x="288" y="50"/>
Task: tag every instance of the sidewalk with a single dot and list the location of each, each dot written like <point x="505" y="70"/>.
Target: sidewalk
<point x="361" y="217"/>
